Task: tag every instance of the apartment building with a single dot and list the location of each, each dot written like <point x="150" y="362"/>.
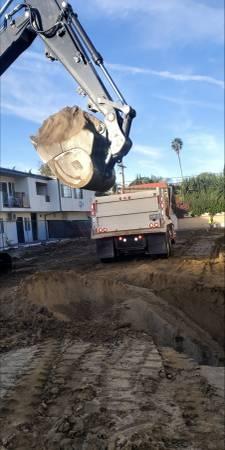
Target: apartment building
<point x="35" y="208"/>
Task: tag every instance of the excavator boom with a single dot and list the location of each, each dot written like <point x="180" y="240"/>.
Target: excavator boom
<point x="87" y="157"/>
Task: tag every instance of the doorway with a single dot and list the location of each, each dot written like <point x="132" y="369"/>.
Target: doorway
<point x="34" y="226"/>
<point x="20" y="230"/>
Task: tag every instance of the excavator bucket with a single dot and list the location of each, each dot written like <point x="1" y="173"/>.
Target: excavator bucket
<point x="74" y="144"/>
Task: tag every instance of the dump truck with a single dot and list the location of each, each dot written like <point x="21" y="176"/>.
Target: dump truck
<point x="135" y="222"/>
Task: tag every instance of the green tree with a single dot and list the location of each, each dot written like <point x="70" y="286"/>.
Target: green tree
<point x="205" y="193"/>
<point x="45" y="170"/>
<point x="177" y="145"/>
<point x="142" y="180"/>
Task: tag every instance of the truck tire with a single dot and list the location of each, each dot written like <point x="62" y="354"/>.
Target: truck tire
<point x="168" y="247"/>
<point x="5" y="262"/>
<point x="107" y="260"/>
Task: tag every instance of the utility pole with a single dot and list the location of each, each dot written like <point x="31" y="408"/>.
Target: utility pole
<point x="122" y="167"/>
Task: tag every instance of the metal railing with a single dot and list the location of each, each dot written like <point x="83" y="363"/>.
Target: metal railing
<point x="24" y="231"/>
<point x="18" y="200"/>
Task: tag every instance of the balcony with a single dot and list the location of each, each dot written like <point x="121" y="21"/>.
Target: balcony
<point x="18" y="200"/>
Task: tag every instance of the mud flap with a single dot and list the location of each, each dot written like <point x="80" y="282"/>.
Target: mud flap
<point x="157" y="244"/>
<point x="105" y="248"/>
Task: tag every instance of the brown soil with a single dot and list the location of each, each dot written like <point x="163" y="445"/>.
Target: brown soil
<point x="65" y="124"/>
<point x="118" y="356"/>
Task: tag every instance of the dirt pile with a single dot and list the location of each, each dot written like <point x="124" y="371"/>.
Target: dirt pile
<point x="64" y="125"/>
<point x="75" y="145"/>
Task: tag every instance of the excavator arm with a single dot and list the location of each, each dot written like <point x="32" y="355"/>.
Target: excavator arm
<point x="87" y="159"/>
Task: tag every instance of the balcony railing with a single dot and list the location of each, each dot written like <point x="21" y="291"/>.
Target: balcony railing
<point x="18" y="200"/>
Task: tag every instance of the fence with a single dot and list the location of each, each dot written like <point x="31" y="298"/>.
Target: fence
<point x="25" y="231"/>
<point x="69" y="228"/>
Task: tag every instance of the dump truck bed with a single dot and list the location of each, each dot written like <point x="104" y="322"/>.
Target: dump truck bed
<point x="125" y="212"/>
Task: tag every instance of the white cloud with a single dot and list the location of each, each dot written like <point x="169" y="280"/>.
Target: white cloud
<point x="149" y="167"/>
<point x="203" y="152"/>
<point x="203" y="143"/>
<point x="185" y="101"/>
<point x="133" y="70"/>
<point x="147" y="150"/>
<point x="35" y="88"/>
<point x="168" y="22"/>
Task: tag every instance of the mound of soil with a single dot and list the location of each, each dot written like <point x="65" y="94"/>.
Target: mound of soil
<point x="65" y="124"/>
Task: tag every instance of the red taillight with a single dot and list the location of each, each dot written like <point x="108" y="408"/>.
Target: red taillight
<point x="93" y="209"/>
<point x="154" y="225"/>
<point x="140" y="237"/>
<point x="102" y="230"/>
<point x="120" y="238"/>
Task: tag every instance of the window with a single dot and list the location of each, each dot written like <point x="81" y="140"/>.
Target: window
<point x="11" y="189"/>
<point x="27" y="224"/>
<point x="78" y="193"/>
<point x="1" y="226"/>
<point x="3" y="189"/>
<point x="41" y="189"/>
<point x="66" y="191"/>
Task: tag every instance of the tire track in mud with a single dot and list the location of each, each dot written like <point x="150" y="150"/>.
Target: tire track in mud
<point x="101" y="383"/>
<point x="75" y="395"/>
<point x="107" y="392"/>
<point x="200" y="404"/>
<point x="23" y="396"/>
<point x="12" y="366"/>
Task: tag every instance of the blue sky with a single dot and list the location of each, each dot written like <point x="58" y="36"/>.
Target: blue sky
<point x="167" y="57"/>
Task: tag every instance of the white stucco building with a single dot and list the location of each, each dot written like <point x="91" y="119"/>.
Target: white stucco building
<point x="35" y="207"/>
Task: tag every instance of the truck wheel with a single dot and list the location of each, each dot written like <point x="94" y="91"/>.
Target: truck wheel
<point x="5" y="262"/>
<point x="168" y="247"/>
<point x="107" y="260"/>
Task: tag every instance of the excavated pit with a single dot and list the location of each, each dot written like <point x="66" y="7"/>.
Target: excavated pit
<point x="90" y="301"/>
<point x="202" y="302"/>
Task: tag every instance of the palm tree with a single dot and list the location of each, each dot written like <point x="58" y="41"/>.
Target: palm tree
<point x="177" y="145"/>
